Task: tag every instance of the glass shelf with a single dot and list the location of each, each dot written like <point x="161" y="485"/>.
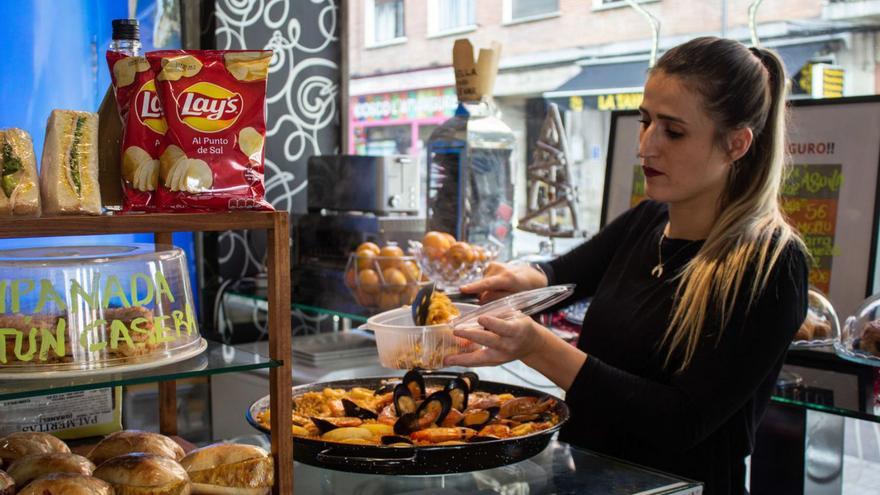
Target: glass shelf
<point x="259" y="296"/>
<point x="217" y="358"/>
<point x="848" y="413"/>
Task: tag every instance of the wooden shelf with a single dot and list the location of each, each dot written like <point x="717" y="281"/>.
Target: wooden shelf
<point x="137" y="223"/>
<point x="162" y="226"/>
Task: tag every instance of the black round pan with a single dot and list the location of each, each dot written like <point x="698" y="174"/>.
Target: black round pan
<point x="440" y="459"/>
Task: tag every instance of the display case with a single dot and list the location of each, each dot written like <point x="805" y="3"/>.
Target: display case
<point x="218" y="358"/>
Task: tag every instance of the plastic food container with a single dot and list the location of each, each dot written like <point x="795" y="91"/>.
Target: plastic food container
<point x="821" y="326"/>
<point x="449" y="271"/>
<point x="403" y="345"/>
<point x="859" y="339"/>
<point x="87" y="309"/>
<point x="383" y="282"/>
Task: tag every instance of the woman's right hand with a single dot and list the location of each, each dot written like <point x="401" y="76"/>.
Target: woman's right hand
<point x="502" y="280"/>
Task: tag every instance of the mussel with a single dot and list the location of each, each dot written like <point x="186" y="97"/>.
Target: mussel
<point x="458" y="391"/>
<point x="430" y="412"/>
<point x="479" y="418"/>
<point x="385" y="388"/>
<point x="471" y="379"/>
<point x="434" y="408"/>
<point x="404" y="402"/>
<point x="356" y="411"/>
<point x="323" y="425"/>
<point x="406" y="424"/>
<point x="415" y="382"/>
<point x="395" y="439"/>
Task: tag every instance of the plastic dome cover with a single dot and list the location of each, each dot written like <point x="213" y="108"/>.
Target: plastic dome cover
<point x="860" y="337"/>
<point x="90" y="307"/>
<point x="821" y="325"/>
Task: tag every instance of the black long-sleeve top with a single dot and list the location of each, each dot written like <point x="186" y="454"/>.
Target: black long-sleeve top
<point x="699" y="423"/>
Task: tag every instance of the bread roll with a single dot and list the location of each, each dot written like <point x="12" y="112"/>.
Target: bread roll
<point x="67" y="484"/>
<point x="7" y="484"/>
<point x="31" y="467"/>
<point x="69" y="168"/>
<point x="144" y="474"/>
<point x="233" y="469"/>
<point x="24" y="443"/>
<point x="130" y="441"/>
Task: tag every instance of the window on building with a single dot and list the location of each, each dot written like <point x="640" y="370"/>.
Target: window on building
<point x="616" y="3"/>
<point x="451" y="15"/>
<point x="387" y="20"/>
<point x="521" y="9"/>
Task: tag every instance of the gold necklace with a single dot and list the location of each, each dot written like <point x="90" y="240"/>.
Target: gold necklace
<point x="657" y="271"/>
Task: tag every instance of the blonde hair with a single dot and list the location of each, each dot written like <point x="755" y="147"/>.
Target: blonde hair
<point x="741" y="87"/>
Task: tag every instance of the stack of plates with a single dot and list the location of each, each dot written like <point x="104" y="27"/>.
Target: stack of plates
<point x="319" y="349"/>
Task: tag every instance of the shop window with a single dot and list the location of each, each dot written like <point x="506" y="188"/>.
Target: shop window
<point x="451" y="16"/>
<point x="384" y="21"/>
<point x="523" y="10"/>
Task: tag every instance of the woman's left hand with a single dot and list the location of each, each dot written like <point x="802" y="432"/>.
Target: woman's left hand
<point x="504" y="341"/>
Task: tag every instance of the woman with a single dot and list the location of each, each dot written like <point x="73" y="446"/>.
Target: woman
<point x="696" y="292"/>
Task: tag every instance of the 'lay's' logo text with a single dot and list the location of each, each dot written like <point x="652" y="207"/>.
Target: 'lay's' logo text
<point x="206" y="107"/>
<point x="148" y="108"/>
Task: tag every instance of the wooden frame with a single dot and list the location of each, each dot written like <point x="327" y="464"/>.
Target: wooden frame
<point x="162" y="226"/>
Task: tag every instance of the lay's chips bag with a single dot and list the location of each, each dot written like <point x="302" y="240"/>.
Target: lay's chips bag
<point x="214" y="104"/>
<point x="144" y="129"/>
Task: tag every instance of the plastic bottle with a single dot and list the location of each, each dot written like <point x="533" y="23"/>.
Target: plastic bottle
<point x="126" y="37"/>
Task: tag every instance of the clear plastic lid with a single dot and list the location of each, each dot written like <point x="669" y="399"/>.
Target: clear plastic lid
<point x="859" y="339"/>
<point x="821" y="326"/>
<point x="522" y="303"/>
<point x="89" y="308"/>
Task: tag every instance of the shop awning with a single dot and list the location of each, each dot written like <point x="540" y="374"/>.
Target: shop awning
<point x="601" y="79"/>
<point x="616" y="86"/>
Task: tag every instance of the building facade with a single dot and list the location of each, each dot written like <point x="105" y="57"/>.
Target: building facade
<point x="587" y="56"/>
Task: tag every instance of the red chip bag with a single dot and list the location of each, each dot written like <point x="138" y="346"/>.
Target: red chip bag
<point x="214" y="102"/>
<point x="143" y="126"/>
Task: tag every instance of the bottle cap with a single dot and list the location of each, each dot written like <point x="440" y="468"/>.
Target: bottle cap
<point x="126" y="29"/>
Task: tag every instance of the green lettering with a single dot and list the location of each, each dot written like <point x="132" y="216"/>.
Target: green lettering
<point x="191" y="320"/>
<point x="135" y="300"/>
<point x="32" y="345"/>
<point x="178" y="317"/>
<point x="163" y="288"/>
<point x="137" y="328"/>
<point x="88" y="343"/>
<point x="47" y="294"/>
<point x="118" y="331"/>
<point x="161" y="330"/>
<point x="91" y="300"/>
<point x="17" y="292"/>
<point x="3" y="295"/>
<point x="54" y="342"/>
<point x="6" y="332"/>
<point x="112" y="288"/>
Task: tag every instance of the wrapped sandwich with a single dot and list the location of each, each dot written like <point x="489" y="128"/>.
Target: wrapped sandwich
<point x="19" y="194"/>
<point x="69" y="169"/>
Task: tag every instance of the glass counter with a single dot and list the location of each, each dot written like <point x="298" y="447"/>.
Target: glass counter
<point x="560" y="469"/>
